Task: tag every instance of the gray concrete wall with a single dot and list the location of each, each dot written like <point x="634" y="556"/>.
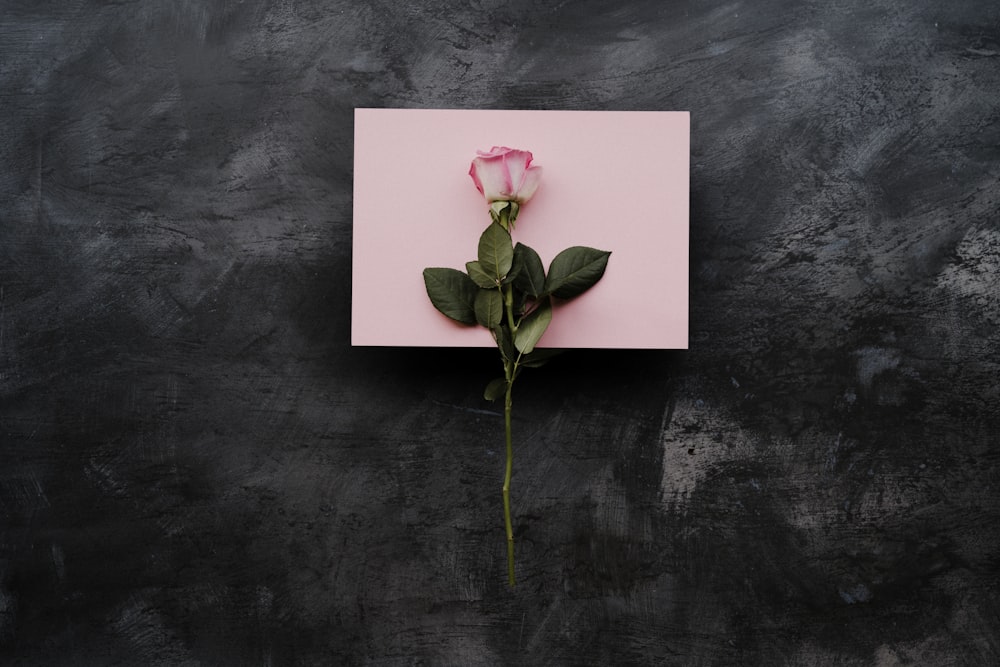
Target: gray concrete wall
<point x="198" y="468"/>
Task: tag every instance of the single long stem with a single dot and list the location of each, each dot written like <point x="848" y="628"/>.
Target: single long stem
<point x="510" y="371"/>
<point x="508" y="302"/>
<point x="506" y="481"/>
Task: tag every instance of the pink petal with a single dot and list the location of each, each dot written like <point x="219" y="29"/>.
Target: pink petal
<point x="491" y="178"/>
<point x="496" y="151"/>
<point x="517" y="163"/>
<point x="475" y="177"/>
<point x="532" y="178"/>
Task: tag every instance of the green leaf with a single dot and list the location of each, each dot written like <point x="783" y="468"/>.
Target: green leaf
<point x="530" y="277"/>
<point x="515" y="269"/>
<point x="479" y="276"/>
<point x="532" y="327"/>
<point x="495" y="251"/>
<point x="520" y="303"/>
<point x="539" y="357"/>
<point x="495" y="389"/>
<point x="488" y="307"/>
<point x="452" y="292"/>
<point x="505" y="343"/>
<point x="498" y="212"/>
<point x="575" y="270"/>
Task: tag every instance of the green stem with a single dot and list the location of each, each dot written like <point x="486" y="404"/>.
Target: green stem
<point x="510" y="371"/>
<point x="508" y="301"/>
<point x="506" y="479"/>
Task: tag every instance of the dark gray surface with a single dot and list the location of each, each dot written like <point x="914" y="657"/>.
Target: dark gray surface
<point x="197" y="468"/>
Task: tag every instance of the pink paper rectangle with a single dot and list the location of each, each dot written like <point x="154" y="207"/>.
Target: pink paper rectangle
<point x="613" y="180"/>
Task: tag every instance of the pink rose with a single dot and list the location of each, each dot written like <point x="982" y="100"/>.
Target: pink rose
<point x="505" y="174"/>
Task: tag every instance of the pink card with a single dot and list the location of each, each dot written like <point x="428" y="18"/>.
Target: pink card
<point x="612" y="180"/>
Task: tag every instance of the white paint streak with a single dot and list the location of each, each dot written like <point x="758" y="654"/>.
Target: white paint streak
<point x="697" y="437"/>
<point x="975" y="277"/>
<point x="875" y="360"/>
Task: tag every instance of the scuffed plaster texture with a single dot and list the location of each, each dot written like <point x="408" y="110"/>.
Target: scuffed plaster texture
<point x="198" y="469"/>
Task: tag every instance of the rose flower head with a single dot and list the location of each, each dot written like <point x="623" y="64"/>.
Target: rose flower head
<point x="505" y="174"/>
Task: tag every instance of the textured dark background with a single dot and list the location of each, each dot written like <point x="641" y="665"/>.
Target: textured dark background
<point x="198" y="468"/>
